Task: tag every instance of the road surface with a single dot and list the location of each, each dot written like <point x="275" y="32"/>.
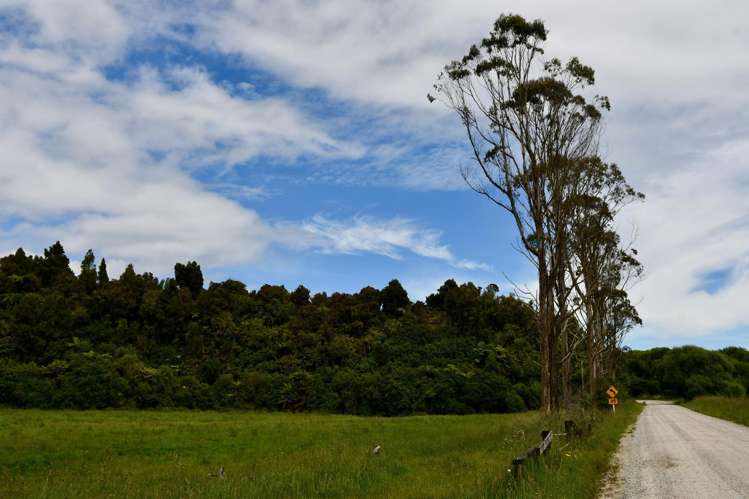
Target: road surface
<point x="674" y="452"/>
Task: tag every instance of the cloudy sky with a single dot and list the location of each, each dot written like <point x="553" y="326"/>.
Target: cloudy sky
<point x="291" y="142"/>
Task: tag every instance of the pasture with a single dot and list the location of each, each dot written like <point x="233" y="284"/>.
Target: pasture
<point x="178" y="454"/>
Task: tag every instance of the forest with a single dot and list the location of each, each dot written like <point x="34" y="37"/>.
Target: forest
<point x="85" y="341"/>
<point x="687" y="372"/>
<point x="88" y="341"/>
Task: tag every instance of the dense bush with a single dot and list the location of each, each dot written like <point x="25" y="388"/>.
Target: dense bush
<point x="687" y="372"/>
<point x="88" y="341"/>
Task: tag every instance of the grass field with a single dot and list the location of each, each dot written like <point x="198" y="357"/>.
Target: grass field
<point x="171" y="454"/>
<point x="732" y="409"/>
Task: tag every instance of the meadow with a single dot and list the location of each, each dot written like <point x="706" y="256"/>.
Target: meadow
<point x="734" y="409"/>
<point x="171" y="454"/>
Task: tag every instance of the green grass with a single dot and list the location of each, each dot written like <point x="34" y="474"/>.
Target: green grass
<point x="170" y="454"/>
<point x="575" y="469"/>
<point x="732" y="409"/>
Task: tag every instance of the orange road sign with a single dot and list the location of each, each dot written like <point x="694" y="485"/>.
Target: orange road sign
<point x="613" y="401"/>
<point x="612" y="392"/>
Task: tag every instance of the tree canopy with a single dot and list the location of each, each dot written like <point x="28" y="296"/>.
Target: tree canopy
<point x="139" y="341"/>
<point x="686" y="372"/>
<point x="89" y="341"/>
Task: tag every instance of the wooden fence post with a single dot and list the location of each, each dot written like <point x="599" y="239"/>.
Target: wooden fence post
<point x="518" y="462"/>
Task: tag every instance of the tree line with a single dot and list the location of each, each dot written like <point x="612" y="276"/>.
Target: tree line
<point x="533" y="127"/>
<point x="86" y="340"/>
<point x="686" y="372"/>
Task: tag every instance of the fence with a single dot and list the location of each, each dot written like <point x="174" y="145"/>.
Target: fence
<point x="517" y="464"/>
<point x="547" y="436"/>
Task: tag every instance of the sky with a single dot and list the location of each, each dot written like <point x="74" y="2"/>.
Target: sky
<point x="291" y="142"/>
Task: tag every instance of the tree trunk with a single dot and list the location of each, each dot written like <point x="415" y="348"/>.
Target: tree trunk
<point x="566" y="369"/>
<point x="590" y="353"/>
<point x="549" y="376"/>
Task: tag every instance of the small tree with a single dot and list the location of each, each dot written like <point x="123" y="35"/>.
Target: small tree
<point x="87" y="277"/>
<point x="189" y="276"/>
<point x="103" y="275"/>
<point x="55" y="264"/>
<point x="393" y="298"/>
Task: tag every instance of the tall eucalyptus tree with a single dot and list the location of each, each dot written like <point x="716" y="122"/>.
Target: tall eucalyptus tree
<point x="533" y="136"/>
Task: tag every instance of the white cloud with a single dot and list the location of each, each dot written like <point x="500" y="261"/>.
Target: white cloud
<point x="200" y="123"/>
<point x="104" y="164"/>
<point x="364" y="50"/>
<point x="386" y="237"/>
<point x="471" y="265"/>
<point x="390" y="51"/>
<point x="92" y="31"/>
<point x="696" y="222"/>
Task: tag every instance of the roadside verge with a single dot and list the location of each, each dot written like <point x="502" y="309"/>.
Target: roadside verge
<point x="575" y="467"/>
<point x="733" y="409"/>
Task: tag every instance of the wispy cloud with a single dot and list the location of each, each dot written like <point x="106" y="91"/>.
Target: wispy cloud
<point x="389" y="52"/>
<point x="694" y="225"/>
<point x="386" y="237"/>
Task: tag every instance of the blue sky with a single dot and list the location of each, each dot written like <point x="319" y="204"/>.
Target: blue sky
<point x="291" y="142"/>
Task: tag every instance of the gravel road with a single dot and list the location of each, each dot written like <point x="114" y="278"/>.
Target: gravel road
<point x="674" y="452"/>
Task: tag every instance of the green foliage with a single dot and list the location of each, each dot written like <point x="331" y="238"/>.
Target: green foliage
<point x="394" y="298"/>
<point x="189" y="276"/>
<point x="88" y="342"/>
<point x="687" y="372"/>
<point x="103" y="276"/>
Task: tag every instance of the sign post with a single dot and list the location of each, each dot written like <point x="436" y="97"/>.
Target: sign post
<point x="613" y="401"/>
